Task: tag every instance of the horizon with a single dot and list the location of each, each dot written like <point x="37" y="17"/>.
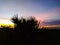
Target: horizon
<point x="7" y="22"/>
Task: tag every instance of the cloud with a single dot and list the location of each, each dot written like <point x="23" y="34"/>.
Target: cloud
<point x="42" y="16"/>
<point x="56" y="9"/>
<point x="53" y="22"/>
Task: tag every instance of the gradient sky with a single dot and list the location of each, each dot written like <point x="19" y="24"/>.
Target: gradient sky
<point x="42" y="9"/>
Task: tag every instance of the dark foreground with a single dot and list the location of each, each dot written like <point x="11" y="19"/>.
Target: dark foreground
<point x="40" y="37"/>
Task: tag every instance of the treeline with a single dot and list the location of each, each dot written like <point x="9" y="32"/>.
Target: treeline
<point x="26" y="32"/>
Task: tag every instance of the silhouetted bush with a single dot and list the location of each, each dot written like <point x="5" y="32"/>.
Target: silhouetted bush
<point x="26" y="30"/>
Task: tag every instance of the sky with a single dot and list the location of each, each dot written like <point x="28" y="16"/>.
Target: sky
<point x="45" y="10"/>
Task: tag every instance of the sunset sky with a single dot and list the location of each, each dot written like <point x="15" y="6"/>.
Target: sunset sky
<point x="45" y="10"/>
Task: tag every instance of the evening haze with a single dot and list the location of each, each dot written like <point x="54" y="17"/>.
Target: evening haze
<point x="44" y="10"/>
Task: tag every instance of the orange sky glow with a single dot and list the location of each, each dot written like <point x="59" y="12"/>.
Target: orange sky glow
<point x="50" y="26"/>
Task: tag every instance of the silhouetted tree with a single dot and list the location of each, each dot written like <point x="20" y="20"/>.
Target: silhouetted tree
<point x="26" y="29"/>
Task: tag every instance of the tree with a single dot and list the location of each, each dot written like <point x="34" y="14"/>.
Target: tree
<point x="26" y="29"/>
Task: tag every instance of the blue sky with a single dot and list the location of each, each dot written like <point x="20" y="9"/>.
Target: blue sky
<point x="41" y="9"/>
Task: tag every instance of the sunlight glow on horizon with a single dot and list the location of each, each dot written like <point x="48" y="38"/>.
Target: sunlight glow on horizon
<point x="51" y="26"/>
<point x="6" y="23"/>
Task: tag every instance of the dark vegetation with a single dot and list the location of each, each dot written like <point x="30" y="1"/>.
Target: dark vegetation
<point x="26" y="32"/>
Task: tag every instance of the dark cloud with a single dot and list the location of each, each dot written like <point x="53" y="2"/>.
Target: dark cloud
<point x="54" y="22"/>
